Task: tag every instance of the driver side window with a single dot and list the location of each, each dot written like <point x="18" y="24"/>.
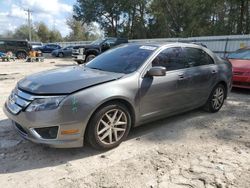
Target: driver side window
<point x="171" y="59"/>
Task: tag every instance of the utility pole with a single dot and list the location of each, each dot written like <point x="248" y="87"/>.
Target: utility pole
<point x="29" y="22"/>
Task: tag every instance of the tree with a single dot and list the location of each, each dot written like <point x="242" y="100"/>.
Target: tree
<point x="78" y="30"/>
<point x="22" y="32"/>
<point x="109" y="14"/>
<point x="55" y="36"/>
<point x="43" y="32"/>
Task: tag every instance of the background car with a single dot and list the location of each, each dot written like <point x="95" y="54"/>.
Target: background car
<point x="2" y="54"/>
<point x="36" y="44"/>
<point x="20" y="48"/>
<point x="241" y="67"/>
<point x="63" y="52"/>
<point x="85" y="53"/>
<point x="122" y="88"/>
<point x="48" y="48"/>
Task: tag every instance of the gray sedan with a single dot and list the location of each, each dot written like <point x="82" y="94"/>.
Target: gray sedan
<point x="63" y="52"/>
<point x="124" y="87"/>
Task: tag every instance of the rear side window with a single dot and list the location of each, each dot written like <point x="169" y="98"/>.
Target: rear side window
<point x="197" y="57"/>
<point x="171" y="58"/>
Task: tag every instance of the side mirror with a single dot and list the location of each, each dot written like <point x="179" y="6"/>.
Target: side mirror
<point x="157" y="71"/>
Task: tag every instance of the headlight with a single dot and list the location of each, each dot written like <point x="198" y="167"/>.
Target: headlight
<point x="45" y="104"/>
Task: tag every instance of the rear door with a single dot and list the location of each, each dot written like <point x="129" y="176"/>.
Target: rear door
<point x="202" y="72"/>
<point x="165" y="94"/>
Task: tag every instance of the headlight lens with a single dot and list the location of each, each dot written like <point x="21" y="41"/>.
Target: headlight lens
<point x="45" y="104"/>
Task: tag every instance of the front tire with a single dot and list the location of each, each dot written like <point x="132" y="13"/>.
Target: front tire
<point x="216" y="99"/>
<point x="90" y="57"/>
<point x="21" y="55"/>
<point x="109" y="126"/>
<point x="60" y="55"/>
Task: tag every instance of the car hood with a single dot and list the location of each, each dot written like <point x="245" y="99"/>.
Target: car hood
<point x="65" y="80"/>
<point x="240" y="64"/>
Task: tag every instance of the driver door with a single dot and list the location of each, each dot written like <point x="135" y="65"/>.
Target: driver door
<point x="165" y="94"/>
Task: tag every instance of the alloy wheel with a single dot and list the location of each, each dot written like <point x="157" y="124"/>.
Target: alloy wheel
<point x="218" y="98"/>
<point x="112" y="126"/>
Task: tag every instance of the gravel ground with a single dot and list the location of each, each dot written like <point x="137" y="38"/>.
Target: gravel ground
<point x="194" y="149"/>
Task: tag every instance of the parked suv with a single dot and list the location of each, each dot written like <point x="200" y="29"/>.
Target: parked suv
<point x="20" y="48"/>
<point x="85" y="53"/>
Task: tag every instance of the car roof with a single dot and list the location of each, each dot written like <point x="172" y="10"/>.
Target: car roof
<point x="161" y="44"/>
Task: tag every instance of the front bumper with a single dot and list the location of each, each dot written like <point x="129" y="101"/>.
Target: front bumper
<point x="26" y="129"/>
<point x="28" y="125"/>
<point x="241" y="81"/>
<point x="79" y="57"/>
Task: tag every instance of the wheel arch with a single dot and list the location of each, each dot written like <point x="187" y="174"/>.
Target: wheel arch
<point x="225" y="85"/>
<point x="92" y="52"/>
<point x="125" y="102"/>
<point x="60" y="53"/>
<point x="21" y="51"/>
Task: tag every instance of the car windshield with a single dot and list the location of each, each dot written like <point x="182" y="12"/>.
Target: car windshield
<point x="97" y="42"/>
<point x="241" y="54"/>
<point x="122" y="59"/>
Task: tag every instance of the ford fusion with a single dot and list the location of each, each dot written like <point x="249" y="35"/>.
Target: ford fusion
<point x="124" y="87"/>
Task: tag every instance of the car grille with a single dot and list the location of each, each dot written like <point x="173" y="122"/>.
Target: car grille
<point x="18" y="100"/>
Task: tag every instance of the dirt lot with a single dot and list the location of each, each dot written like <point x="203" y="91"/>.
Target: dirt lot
<point x="195" y="149"/>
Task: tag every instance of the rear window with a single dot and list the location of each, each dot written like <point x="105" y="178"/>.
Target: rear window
<point x="240" y="54"/>
<point x="122" y="59"/>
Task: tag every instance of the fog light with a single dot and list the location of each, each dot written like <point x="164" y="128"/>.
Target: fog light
<point x="47" y="132"/>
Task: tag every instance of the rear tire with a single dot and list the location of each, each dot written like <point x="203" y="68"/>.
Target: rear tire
<point x="109" y="126"/>
<point x="216" y="99"/>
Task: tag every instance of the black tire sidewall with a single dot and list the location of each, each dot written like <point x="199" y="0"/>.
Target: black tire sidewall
<point x="90" y="57"/>
<point x="91" y="132"/>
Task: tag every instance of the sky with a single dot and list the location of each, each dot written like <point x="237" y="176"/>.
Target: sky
<point x="52" y="12"/>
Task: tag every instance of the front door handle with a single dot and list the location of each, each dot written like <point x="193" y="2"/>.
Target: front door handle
<point x="181" y="76"/>
<point x="214" y="71"/>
